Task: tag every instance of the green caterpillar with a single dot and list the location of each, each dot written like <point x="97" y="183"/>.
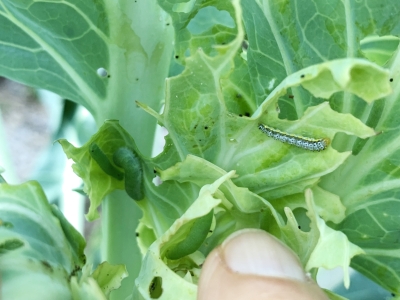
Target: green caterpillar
<point x="102" y="160"/>
<point x="194" y="239"/>
<point x="130" y="162"/>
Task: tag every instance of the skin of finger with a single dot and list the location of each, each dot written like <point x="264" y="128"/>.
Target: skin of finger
<point x="219" y="282"/>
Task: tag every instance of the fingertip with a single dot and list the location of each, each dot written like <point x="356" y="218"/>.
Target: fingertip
<point x="252" y="264"/>
<point x="256" y="252"/>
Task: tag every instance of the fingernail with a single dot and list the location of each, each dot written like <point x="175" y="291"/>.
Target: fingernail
<point x="256" y="252"/>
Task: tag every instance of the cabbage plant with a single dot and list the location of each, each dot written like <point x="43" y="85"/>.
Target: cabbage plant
<point x="212" y="73"/>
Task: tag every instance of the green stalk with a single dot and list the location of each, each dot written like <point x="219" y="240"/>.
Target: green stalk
<point x="139" y="65"/>
<point x="120" y="214"/>
<point x="120" y="217"/>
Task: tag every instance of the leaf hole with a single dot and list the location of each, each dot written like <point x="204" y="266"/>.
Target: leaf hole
<point x="157" y="181"/>
<point x="155" y="287"/>
<point x="209" y="17"/>
<point x="302" y="219"/>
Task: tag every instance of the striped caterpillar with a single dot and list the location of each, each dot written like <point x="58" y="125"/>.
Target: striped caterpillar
<point x="295" y="140"/>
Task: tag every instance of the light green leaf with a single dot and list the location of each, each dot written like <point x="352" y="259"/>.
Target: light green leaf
<point x="200" y="121"/>
<point x="103" y="55"/>
<point x="39" y="249"/>
<point x="302" y="239"/>
<point x="40" y="37"/>
<point x="316" y="244"/>
<point x="86" y="287"/>
<point x="369" y="188"/>
<point x="75" y="239"/>
<point x="195" y="23"/>
<point x="26" y="216"/>
<point x="109" y="277"/>
<point x="145" y="237"/>
<point x="155" y="265"/>
<point x="269" y="164"/>
<point x="333" y="249"/>
<point x="97" y="184"/>
<point x="38" y="279"/>
<point x="357" y="76"/>
<point x="285" y="37"/>
<point x="311" y="247"/>
<point x="327" y="204"/>
<point x="199" y="171"/>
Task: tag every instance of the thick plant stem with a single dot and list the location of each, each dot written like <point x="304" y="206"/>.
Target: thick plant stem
<point x="120" y="214"/>
<point x="119" y="220"/>
<point x="140" y="61"/>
